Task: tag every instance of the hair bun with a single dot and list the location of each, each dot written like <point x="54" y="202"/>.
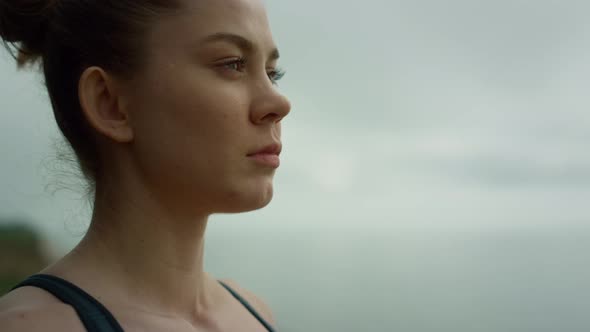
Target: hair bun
<point x="24" y="22"/>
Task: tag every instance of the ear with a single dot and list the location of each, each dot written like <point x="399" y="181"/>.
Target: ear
<point x="103" y="105"/>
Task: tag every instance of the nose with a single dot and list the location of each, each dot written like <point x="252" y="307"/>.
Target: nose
<point x="269" y="107"/>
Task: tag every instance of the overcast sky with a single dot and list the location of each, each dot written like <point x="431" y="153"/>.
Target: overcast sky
<point x="417" y="113"/>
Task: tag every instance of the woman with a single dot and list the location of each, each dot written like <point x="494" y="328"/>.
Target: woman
<point x="173" y="114"/>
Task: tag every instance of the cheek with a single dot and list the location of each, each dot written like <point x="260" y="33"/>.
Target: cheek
<point x="190" y="122"/>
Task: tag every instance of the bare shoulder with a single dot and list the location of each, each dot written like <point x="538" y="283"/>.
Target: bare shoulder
<point x="261" y="307"/>
<point x="29" y="309"/>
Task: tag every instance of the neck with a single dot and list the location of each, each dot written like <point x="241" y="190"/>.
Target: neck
<point x="153" y="257"/>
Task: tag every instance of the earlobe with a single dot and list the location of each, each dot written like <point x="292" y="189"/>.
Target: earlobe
<point x="101" y="103"/>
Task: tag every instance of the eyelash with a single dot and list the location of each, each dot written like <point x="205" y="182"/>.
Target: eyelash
<point x="274" y="75"/>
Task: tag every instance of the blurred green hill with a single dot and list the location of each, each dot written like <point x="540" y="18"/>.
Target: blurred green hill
<point x="21" y="253"/>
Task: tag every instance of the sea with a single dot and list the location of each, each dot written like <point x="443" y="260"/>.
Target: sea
<point x="461" y="279"/>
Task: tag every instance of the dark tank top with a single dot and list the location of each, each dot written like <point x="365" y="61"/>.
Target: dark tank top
<point x="94" y="316"/>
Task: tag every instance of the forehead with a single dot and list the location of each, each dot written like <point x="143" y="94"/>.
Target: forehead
<point x="242" y="10"/>
<point x="201" y="18"/>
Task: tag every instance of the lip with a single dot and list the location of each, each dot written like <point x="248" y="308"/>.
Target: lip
<point x="272" y="149"/>
<point x="268" y="155"/>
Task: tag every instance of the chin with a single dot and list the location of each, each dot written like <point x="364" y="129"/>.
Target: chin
<point x="247" y="200"/>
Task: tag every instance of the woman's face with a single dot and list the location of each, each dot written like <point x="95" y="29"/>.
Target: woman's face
<point x="204" y="102"/>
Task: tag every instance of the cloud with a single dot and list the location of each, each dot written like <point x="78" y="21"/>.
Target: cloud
<point x="420" y="112"/>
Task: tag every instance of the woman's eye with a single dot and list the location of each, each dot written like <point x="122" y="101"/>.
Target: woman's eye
<point x="275" y="75"/>
<point x="237" y="64"/>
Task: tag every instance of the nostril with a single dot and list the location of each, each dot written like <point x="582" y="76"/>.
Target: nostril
<point x="272" y="117"/>
<point x="270" y="108"/>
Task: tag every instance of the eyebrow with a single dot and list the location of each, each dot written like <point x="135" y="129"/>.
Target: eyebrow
<point x="239" y="41"/>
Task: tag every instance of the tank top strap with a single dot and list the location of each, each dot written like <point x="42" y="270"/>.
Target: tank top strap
<point x="94" y="316"/>
<point x="248" y="306"/>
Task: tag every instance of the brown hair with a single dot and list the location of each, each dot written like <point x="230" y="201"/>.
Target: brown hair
<point x="67" y="36"/>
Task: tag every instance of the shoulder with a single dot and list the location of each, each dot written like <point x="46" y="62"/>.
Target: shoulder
<point x="30" y="310"/>
<point x="261" y="307"/>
